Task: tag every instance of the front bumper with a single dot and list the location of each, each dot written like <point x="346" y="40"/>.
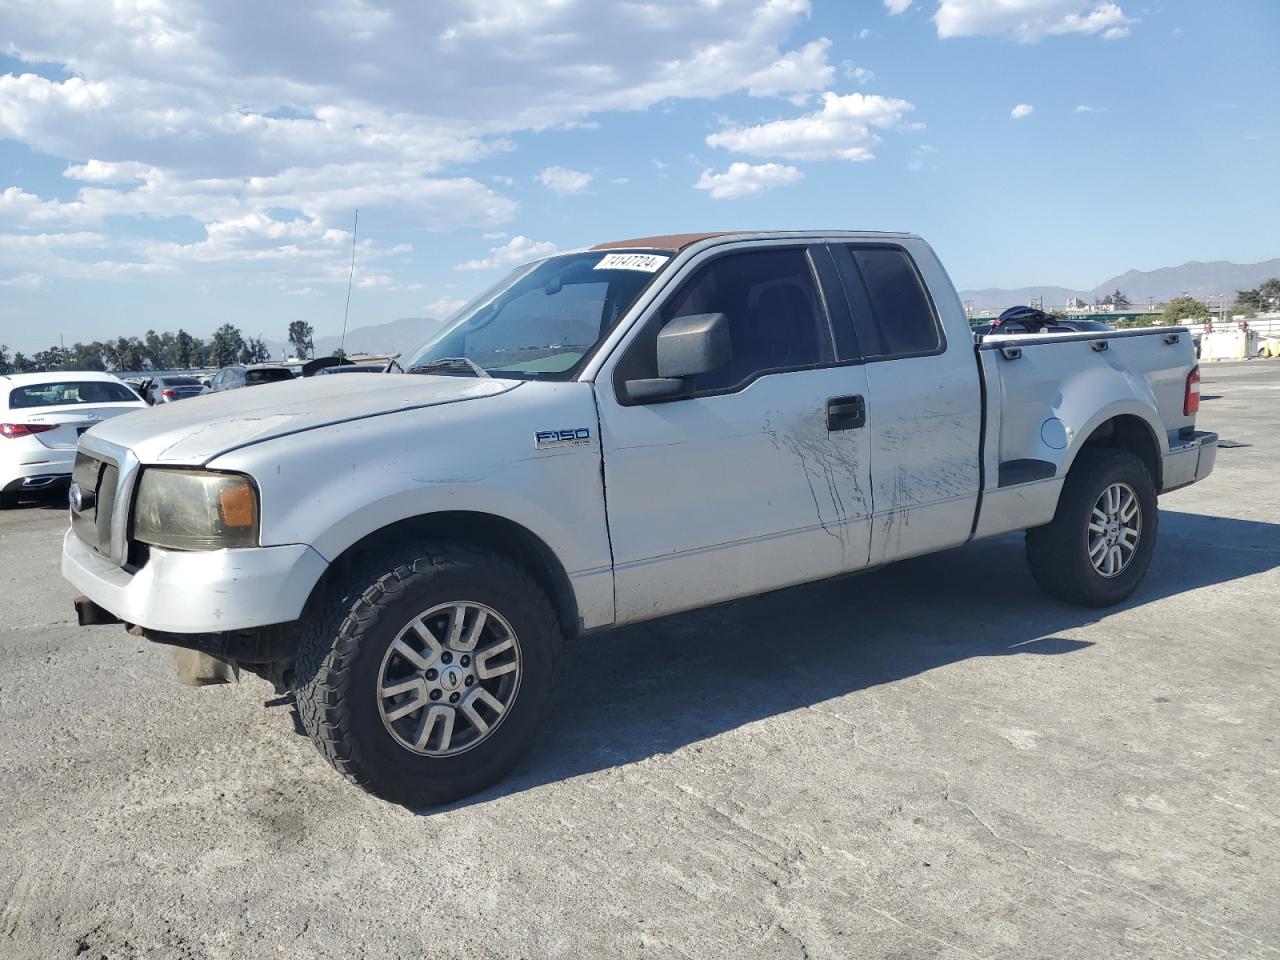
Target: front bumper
<point x="198" y="591"/>
<point x="1190" y="461"/>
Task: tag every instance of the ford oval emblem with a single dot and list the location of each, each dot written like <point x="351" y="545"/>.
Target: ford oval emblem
<point x="80" y="499"/>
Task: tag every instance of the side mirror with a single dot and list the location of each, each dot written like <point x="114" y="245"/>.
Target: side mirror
<point x="686" y="347"/>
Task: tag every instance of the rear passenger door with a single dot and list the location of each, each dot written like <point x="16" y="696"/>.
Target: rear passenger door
<point x="925" y="407"/>
<point x="758" y="477"/>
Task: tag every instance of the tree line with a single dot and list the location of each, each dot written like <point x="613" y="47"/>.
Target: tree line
<point x="1186" y="309"/>
<point x="158" y="351"/>
<point x="1265" y="296"/>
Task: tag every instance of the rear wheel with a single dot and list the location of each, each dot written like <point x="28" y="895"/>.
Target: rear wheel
<point x="424" y="679"/>
<point x="1097" y="549"/>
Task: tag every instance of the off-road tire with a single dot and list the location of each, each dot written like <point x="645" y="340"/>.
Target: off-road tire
<point x="346" y="633"/>
<point x="1058" y="552"/>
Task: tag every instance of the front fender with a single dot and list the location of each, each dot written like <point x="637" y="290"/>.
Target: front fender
<point x="330" y="488"/>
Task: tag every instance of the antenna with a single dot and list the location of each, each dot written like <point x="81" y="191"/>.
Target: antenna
<point x="342" y="344"/>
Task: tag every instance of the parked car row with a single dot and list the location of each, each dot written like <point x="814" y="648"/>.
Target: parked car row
<point x="43" y="414"/>
<point x="167" y="389"/>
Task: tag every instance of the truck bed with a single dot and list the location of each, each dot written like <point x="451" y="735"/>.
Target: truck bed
<point x="1044" y="392"/>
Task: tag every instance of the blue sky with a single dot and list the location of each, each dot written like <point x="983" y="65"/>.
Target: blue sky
<point x="167" y="164"/>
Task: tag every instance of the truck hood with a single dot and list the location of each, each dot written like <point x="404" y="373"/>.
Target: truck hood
<point x="194" y="431"/>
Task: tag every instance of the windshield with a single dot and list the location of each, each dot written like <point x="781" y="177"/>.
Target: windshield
<point x="543" y="320"/>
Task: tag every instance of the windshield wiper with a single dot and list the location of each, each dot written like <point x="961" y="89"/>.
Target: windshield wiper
<point x="453" y="364"/>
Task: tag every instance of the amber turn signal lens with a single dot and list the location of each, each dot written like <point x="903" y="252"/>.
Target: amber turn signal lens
<point x="236" y="505"/>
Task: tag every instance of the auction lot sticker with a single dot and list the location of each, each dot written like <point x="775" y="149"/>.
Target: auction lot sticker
<point x="648" y="262"/>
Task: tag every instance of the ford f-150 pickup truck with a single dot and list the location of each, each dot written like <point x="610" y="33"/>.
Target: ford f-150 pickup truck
<point x="606" y="436"/>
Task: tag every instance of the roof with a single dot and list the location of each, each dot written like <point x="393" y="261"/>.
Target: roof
<point x="676" y="242"/>
<point x="671" y="241"/>
<point x="51" y="376"/>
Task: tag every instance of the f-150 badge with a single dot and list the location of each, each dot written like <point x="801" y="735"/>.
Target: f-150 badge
<point x="546" y="439"/>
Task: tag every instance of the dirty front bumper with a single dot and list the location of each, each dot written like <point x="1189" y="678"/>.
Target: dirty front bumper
<point x="198" y="592"/>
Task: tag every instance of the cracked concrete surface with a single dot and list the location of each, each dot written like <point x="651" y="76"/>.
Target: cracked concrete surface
<point x="931" y="760"/>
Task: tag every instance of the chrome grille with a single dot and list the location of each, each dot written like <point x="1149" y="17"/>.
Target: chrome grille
<point x="107" y="472"/>
<point x="99" y="477"/>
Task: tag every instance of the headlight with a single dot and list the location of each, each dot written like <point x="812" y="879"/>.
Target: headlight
<point x="195" y="510"/>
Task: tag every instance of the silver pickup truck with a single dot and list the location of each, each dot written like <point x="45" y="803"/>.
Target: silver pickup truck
<point x="606" y="436"/>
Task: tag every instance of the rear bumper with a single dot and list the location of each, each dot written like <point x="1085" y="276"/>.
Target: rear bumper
<point x="36" y="468"/>
<point x="38" y="481"/>
<point x="199" y="591"/>
<point x="1190" y="461"/>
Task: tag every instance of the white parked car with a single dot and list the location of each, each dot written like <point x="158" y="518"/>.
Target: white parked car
<point x="42" y="416"/>
<point x="607" y="436"/>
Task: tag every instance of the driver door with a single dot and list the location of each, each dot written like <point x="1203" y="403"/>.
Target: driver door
<point x="759" y="477"/>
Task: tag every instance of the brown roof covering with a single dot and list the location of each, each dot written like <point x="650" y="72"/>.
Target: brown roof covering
<point x="673" y="241"/>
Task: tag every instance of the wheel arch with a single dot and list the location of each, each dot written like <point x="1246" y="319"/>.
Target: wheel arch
<point x="1129" y="431"/>
<point x="489" y="531"/>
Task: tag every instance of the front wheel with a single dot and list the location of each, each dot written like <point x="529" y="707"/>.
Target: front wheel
<point x="425" y="680"/>
<point x="1097" y="549"/>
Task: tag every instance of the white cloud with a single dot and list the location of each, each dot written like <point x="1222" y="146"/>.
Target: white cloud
<point x="96" y="171"/>
<point x="1085" y="108"/>
<point x="563" y="180"/>
<point x="1022" y="110"/>
<point x="896" y="7"/>
<point x="863" y="34"/>
<point x="24" y="281"/>
<point x="920" y="156"/>
<point x="1027" y="21"/>
<point x="620" y="181"/>
<point x="439" y="309"/>
<point x="519" y="249"/>
<point x="1115" y="33"/>
<point x="859" y="75"/>
<point x="746" y="179"/>
<point x="797" y="71"/>
<point x="196" y="110"/>
<point x="841" y="130"/>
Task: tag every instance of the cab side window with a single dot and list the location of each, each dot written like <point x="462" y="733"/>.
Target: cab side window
<point x="776" y="318"/>
<point x="897" y="316"/>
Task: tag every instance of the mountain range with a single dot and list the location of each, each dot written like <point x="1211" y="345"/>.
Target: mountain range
<point x="1204" y="281"/>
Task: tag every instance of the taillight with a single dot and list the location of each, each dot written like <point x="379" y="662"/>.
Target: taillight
<point x="15" y="430"/>
<point x="168" y="392"/>
<point x="1191" y="399"/>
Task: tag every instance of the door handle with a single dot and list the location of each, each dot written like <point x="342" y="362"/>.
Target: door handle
<point x="846" y="413"/>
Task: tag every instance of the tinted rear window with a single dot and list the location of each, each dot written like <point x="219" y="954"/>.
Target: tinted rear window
<point x="65" y="393"/>
<point x="180" y="382"/>
<point x="266" y="376"/>
<point x="904" y="318"/>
